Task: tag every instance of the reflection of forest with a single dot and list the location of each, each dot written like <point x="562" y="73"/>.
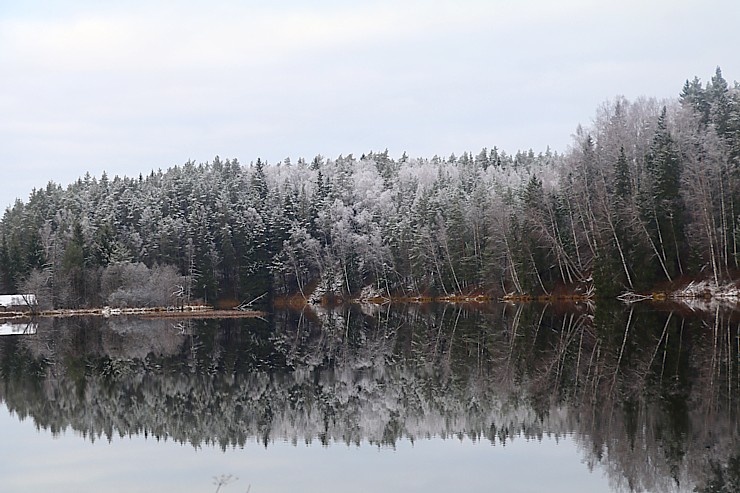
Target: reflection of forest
<point x="651" y="396"/>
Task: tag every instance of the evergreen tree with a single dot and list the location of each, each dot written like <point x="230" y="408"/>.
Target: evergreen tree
<point x="73" y="268"/>
<point x="694" y="96"/>
<point x="666" y="212"/>
<point x="622" y="179"/>
<point x="719" y="102"/>
<point x="7" y="268"/>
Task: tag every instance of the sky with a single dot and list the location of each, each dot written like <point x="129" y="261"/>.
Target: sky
<point x="133" y="86"/>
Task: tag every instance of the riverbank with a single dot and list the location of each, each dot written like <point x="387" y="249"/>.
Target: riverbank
<point x="696" y="295"/>
<point x="188" y="311"/>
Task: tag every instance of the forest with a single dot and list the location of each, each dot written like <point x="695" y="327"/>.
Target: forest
<point x="647" y="195"/>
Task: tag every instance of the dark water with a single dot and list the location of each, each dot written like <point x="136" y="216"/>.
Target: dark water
<point x="433" y="399"/>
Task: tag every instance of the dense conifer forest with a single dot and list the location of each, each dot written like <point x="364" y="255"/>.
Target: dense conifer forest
<point x="648" y="194"/>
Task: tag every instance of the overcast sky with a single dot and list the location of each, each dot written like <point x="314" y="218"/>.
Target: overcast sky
<point x="132" y="86"/>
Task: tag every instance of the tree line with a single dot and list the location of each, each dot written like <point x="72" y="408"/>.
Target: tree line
<point x="646" y="194"/>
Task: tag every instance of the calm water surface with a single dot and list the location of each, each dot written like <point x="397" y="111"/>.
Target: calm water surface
<point x="433" y="399"/>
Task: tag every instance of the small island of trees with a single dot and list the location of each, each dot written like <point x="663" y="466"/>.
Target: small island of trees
<point x="647" y="196"/>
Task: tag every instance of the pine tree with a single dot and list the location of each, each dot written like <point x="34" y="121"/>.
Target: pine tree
<point x="719" y="101"/>
<point x="666" y="212"/>
<point x="7" y="268"/>
<point x="73" y="267"/>
<point x="622" y="180"/>
<point x="694" y="96"/>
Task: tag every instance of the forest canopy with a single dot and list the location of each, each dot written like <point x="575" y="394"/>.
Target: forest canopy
<point x="649" y="193"/>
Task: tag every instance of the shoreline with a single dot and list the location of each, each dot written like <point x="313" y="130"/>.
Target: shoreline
<point x="187" y="312"/>
<point x="696" y="295"/>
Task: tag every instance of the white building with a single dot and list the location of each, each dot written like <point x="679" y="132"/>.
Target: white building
<point x="18" y="301"/>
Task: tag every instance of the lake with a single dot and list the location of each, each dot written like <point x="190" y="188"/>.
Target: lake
<point x="432" y="398"/>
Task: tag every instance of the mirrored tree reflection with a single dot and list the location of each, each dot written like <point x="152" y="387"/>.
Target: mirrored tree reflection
<point x="651" y="396"/>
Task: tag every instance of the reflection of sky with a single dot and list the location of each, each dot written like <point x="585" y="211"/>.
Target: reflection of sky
<point x="34" y="461"/>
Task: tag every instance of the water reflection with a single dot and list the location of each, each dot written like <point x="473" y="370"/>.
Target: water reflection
<point x="13" y="329"/>
<point x="650" y="396"/>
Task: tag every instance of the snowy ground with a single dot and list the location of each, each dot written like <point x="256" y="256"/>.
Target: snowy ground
<point x="697" y="295"/>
